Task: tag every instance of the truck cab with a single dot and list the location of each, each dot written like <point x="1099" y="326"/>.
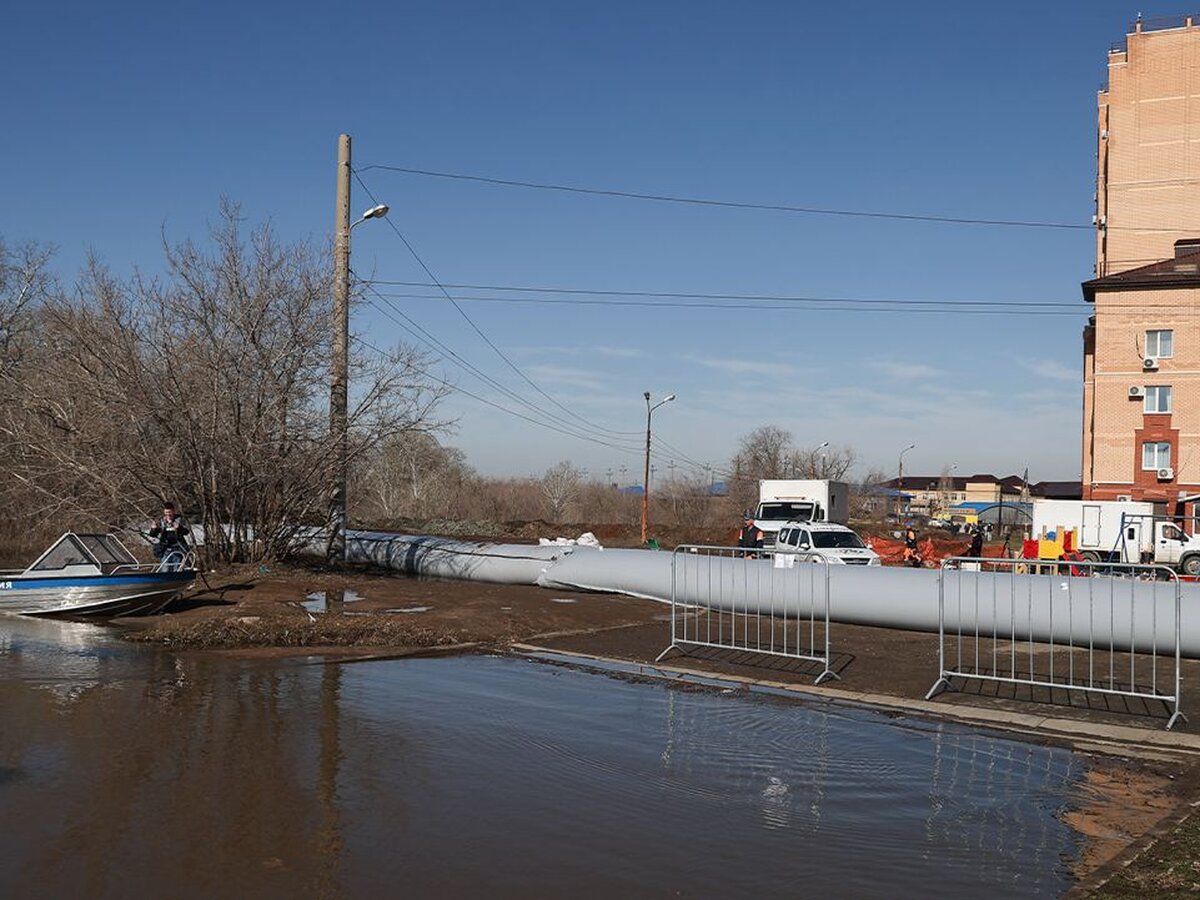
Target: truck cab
<point x="835" y="543"/>
<point x="1171" y="548"/>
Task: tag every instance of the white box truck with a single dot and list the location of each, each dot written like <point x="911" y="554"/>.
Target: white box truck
<point x="1098" y="524"/>
<point x="800" y="500"/>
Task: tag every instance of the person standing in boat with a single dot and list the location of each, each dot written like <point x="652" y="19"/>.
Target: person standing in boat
<point x="170" y="536"/>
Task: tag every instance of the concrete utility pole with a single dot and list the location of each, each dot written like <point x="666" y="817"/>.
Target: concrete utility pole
<point x="339" y="381"/>
<point x="646" y="477"/>
<point x="340" y="358"/>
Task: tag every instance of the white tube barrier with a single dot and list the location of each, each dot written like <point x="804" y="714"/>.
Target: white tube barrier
<point x="445" y="558"/>
<point x="898" y="598"/>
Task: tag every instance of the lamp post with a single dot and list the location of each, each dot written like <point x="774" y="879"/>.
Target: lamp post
<point x="646" y="477"/>
<point x="900" y="478"/>
<point x="821" y="447"/>
<point x="339" y="386"/>
<point x="946" y="496"/>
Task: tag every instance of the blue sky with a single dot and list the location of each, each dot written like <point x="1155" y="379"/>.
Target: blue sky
<point x="123" y="120"/>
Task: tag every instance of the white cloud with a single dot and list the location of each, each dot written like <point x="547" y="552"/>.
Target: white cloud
<point x="623" y="352"/>
<point x="547" y="374"/>
<point x="907" y="370"/>
<point x="738" y="366"/>
<point x="1052" y="369"/>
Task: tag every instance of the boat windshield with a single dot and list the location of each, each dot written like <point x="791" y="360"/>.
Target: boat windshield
<point x="836" y="539"/>
<point x="67" y="552"/>
<point x="107" y="549"/>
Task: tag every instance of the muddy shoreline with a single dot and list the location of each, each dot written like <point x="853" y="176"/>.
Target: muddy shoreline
<point x="1135" y="809"/>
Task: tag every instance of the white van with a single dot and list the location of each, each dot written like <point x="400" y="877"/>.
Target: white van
<point x="836" y="543"/>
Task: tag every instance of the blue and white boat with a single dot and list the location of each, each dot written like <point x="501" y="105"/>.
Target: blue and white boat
<point x="94" y="575"/>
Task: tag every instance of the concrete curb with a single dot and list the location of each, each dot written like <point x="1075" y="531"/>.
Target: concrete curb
<point x="1118" y="740"/>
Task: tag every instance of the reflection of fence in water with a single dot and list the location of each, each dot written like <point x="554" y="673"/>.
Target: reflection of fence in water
<point x="755" y="601"/>
<point x="1085" y="629"/>
<point x="775" y="756"/>
<point x="980" y="795"/>
<point x="989" y="801"/>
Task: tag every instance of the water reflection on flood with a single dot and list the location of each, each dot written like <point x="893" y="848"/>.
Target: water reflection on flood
<point x="126" y="771"/>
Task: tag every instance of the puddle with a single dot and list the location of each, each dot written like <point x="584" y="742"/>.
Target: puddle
<point x="562" y="600"/>
<point x="353" y="778"/>
<point x="409" y="609"/>
<point x="318" y="602"/>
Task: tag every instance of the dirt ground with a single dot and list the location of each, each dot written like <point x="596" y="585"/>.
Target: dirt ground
<point x="261" y="611"/>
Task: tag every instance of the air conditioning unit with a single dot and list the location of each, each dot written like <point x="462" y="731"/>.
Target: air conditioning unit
<point x="1136" y="392"/>
<point x="1124" y="498"/>
<point x="1166" y="474"/>
<point x="1150" y="364"/>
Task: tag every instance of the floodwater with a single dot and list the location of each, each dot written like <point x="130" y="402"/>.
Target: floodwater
<point x="132" y="771"/>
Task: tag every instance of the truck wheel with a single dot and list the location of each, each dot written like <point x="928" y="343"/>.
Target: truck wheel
<point x="1091" y="556"/>
<point x="1190" y="565"/>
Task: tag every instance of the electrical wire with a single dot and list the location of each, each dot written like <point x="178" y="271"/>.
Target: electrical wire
<point x="479" y="331"/>
<point x="504" y="409"/>
<point x="418" y="333"/>
<point x="730" y="204"/>
<point x="795" y="305"/>
<point x="694" y="295"/>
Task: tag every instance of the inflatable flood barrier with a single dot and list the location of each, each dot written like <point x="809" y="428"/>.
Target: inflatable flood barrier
<point x="1042" y="607"/>
<point x="445" y="558"/>
<point x="1116" y="612"/>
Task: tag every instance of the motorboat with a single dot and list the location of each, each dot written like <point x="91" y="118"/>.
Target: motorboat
<point x="94" y="575"/>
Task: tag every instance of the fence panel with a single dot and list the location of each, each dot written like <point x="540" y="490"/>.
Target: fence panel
<point x="753" y="600"/>
<point x="1072" y="626"/>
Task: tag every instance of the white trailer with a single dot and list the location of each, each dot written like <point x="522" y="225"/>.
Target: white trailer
<point x="1120" y="530"/>
<point x="800" y="500"/>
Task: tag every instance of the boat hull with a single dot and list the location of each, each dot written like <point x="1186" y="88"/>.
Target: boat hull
<point x="95" y="596"/>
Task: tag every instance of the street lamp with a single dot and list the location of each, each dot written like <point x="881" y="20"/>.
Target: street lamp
<point x="375" y="212"/>
<point x="822" y="446"/>
<point x="900" y="477"/>
<point x="646" y="477"/>
<point x="339" y="386"/>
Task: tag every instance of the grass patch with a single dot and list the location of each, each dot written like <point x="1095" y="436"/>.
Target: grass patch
<point x="1170" y="867"/>
<point x="325" y="631"/>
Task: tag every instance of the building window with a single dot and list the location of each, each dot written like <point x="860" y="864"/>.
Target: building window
<point x="1156" y="455"/>
<point x="1158" y="398"/>
<point x="1160" y="344"/>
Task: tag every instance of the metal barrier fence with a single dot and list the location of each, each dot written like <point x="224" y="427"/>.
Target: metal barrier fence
<point x="1087" y="627"/>
<point x="753" y="600"/>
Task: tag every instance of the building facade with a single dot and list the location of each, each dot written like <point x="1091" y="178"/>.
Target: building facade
<point x="1141" y="347"/>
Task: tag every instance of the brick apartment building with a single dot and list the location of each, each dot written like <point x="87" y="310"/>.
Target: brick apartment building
<point x="1141" y="347"/>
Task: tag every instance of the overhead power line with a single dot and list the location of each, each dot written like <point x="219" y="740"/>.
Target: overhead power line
<point x="479" y="331"/>
<point x="729" y="204"/>
<point x="449" y="385"/>
<point x="793" y="305"/>
<point x="422" y="336"/>
<point x="694" y="295"/>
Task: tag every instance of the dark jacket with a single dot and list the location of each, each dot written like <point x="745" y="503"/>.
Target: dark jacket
<point x="750" y="536"/>
<point x="170" y="531"/>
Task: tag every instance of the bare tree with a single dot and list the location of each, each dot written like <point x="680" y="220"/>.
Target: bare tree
<point x="691" y="499"/>
<point x="831" y="463"/>
<point x="560" y="485"/>
<point x="411" y="474"/>
<point x="868" y="500"/>
<point x="208" y="385"/>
